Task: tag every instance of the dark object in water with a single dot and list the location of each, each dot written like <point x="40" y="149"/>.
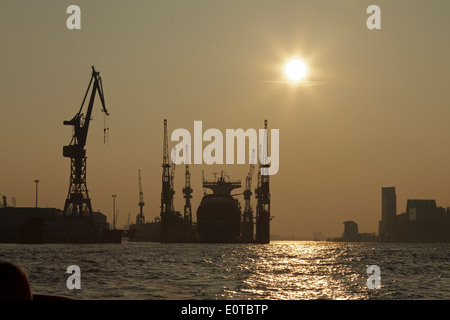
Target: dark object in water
<point x="219" y="214"/>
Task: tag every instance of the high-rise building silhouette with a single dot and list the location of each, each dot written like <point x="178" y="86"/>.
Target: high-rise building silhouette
<point x="388" y="213"/>
<point x="350" y="231"/>
<point x="423" y="220"/>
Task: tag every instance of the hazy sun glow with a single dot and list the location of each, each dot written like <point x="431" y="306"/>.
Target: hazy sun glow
<point x="295" y="70"/>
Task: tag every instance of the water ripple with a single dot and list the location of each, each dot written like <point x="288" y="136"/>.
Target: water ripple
<point x="279" y="270"/>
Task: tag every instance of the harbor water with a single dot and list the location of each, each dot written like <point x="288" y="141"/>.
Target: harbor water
<point x="281" y="270"/>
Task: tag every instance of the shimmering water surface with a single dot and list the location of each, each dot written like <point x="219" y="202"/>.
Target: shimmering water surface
<point x="276" y="271"/>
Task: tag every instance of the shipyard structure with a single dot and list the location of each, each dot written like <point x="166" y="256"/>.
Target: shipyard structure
<point x="50" y="225"/>
<point x="77" y="222"/>
<point x="423" y="220"/>
<point x="220" y="218"/>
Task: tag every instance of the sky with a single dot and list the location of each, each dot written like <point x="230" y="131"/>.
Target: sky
<point x="372" y="111"/>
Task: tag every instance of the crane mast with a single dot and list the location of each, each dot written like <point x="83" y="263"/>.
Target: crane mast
<point x="263" y="197"/>
<point x="169" y="218"/>
<point x="247" y="223"/>
<point x="78" y="202"/>
<point x="187" y="190"/>
<point x="140" y="219"/>
<point x="167" y="178"/>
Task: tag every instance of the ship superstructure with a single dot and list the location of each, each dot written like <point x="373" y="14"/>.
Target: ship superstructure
<point x="219" y="213"/>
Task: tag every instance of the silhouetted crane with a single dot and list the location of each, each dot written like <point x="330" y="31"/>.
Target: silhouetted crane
<point x="78" y="201"/>
<point x="167" y="178"/>
<point x="263" y="196"/>
<point x="187" y="192"/>
<point x="140" y="219"/>
<point x="247" y="223"/>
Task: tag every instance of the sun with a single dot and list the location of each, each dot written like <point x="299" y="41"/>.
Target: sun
<point x="295" y="70"/>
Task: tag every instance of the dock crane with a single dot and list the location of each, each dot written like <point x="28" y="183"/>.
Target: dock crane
<point x="167" y="192"/>
<point x="247" y="223"/>
<point x="78" y="202"/>
<point x="172" y="225"/>
<point x="263" y="196"/>
<point x="140" y="219"/>
<point x="187" y="192"/>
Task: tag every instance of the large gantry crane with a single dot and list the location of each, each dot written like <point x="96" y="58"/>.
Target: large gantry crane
<point x="167" y="192"/>
<point x="174" y="228"/>
<point x="78" y="202"/>
<point x="140" y="219"/>
<point x="168" y="214"/>
<point x="263" y="196"/>
<point x="187" y="192"/>
<point x="247" y="223"/>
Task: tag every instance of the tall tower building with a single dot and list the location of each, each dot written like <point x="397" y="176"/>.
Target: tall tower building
<point x="388" y="213"/>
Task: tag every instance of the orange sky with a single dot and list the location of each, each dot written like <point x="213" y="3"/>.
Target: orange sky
<point x="377" y="114"/>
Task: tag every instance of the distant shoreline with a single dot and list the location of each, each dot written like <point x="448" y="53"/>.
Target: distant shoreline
<point x="276" y="237"/>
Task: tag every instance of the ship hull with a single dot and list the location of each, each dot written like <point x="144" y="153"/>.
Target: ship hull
<point x="175" y="229"/>
<point x="219" y="219"/>
<point x="263" y="228"/>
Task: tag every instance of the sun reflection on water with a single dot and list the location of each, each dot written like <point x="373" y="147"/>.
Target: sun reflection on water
<point x="276" y="271"/>
<point x="299" y="270"/>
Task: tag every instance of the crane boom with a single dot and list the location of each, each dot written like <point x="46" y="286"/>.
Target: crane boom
<point x="81" y="128"/>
